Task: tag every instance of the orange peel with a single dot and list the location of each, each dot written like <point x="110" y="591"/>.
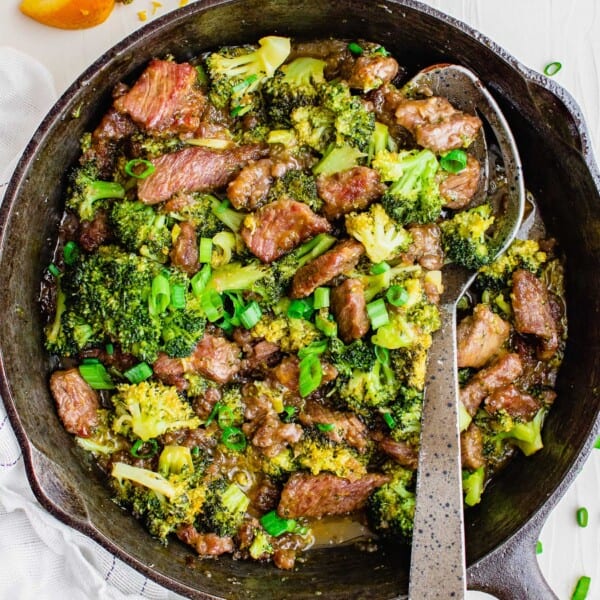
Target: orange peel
<point x="68" y="14"/>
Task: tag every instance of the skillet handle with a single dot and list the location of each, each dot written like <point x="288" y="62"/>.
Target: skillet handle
<point x="512" y="572"/>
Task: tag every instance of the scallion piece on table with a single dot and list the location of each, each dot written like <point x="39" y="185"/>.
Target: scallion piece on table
<point x="138" y="373"/>
<point x="597" y="444"/>
<point x="378" y="314"/>
<point x="552" y="68"/>
<point x="379" y="268"/>
<point x="132" y="168"/>
<point x="582" y="517"/>
<point x="311" y="374"/>
<point x="397" y="295"/>
<point x="582" y="588"/>
<point x="300" y="309"/>
<point x="70" y="252"/>
<point x="160" y="295"/>
<point x="250" y="315"/>
<point x="454" y="161"/>
<point x="178" y="295"/>
<point x="233" y="438"/>
<point x="538" y="547"/>
<point x="212" y="305"/>
<point x="96" y="376"/>
<point x="144" y="449"/>
<point x="321" y="298"/>
<point x="391" y="422"/>
<point x="275" y="525"/>
<point x="205" y="253"/>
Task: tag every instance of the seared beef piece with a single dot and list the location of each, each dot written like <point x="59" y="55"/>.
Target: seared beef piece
<point x="265" y="496"/>
<point x="402" y="452"/>
<point x="426" y="247"/>
<point x="326" y="494"/>
<point x="205" y="544"/>
<point x="279" y="227"/>
<point x="184" y="254"/>
<point x="251" y="186"/>
<point x="369" y="72"/>
<point x="349" y="307"/>
<point x="436" y="124"/>
<point x="270" y="435"/>
<point x="170" y="371"/>
<point x="165" y="98"/>
<point x="76" y="402"/>
<point x="385" y="101"/>
<point x="533" y="311"/>
<point x="501" y="372"/>
<point x="257" y="405"/>
<point x="196" y="169"/>
<point x="284" y="558"/>
<point x="480" y="336"/>
<point x="287" y="373"/>
<point x="347" y="426"/>
<point x="459" y="188"/>
<point x="260" y="357"/>
<point x="335" y="53"/>
<point x="340" y="259"/>
<point x="190" y="438"/>
<point x="215" y="358"/>
<point x="178" y="202"/>
<point x="121" y="360"/>
<point x="515" y="402"/>
<point x="125" y="456"/>
<point x="353" y="189"/>
<point x="203" y="405"/>
<point x="215" y="131"/>
<point x="471" y="447"/>
<point x="94" y="233"/>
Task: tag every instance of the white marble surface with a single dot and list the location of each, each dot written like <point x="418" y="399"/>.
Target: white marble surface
<point x="536" y="32"/>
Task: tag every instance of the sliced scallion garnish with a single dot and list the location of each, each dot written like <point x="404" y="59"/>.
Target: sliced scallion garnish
<point x="250" y="315"/>
<point x="552" y="68"/>
<point x="311" y="374"/>
<point x="378" y="314"/>
<point x="144" y="449"/>
<point x="132" y="168"/>
<point x="234" y="439"/>
<point x="138" y="373"/>
<point x="454" y="161"/>
<point x="96" y="375"/>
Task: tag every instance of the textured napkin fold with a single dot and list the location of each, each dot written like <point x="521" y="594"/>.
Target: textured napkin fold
<point x="41" y="557"/>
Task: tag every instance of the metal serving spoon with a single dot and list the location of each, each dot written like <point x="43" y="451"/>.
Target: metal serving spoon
<point x="437" y="568"/>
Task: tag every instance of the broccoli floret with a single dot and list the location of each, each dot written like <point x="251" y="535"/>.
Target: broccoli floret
<point x="277" y="467"/>
<point x="295" y="84"/>
<point x="314" y="127"/>
<point x="152" y="146"/>
<point x="406" y="412"/>
<point x="200" y="210"/>
<point x="87" y="191"/>
<point x="139" y="228"/>
<point x="414" y="195"/>
<point x="373" y="285"/>
<point x="224" y="508"/>
<point x="181" y="331"/>
<point x="382" y="238"/>
<point x="148" y="409"/>
<point x="464" y="237"/>
<point x="473" y="483"/>
<point x="299" y="186"/>
<point x="290" y="334"/>
<point x="230" y="408"/>
<point x="237" y="73"/>
<point x="103" y="440"/>
<point x="410" y="363"/>
<point x="391" y="507"/>
<point x="337" y="159"/>
<point x="381" y="140"/>
<point x="357" y="355"/>
<point x="261" y="546"/>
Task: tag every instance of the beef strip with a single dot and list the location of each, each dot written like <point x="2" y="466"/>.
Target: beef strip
<point x="402" y="452"/>
<point x="370" y="72"/>
<point x="349" y="307"/>
<point x="385" y="101"/>
<point x="215" y="358"/>
<point x="279" y="227"/>
<point x="170" y="371"/>
<point x="501" y="372"/>
<point x="458" y="189"/>
<point x="471" y="447"/>
<point x="480" y="336"/>
<point x="94" y="233"/>
<point x="337" y="261"/>
<point x="272" y="435"/>
<point x="533" y="311"/>
<point x="426" y="247"/>
<point x="436" y="124"/>
<point x="265" y="496"/>
<point x="346" y="191"/>
<point x="195" y="169"/>
<point x="516" y="403"/>
<point x="205" y="544"/>
<point x="165" y="98"/>
<point x="203" y="405"/>
<point x="76" y="402"/>
<point x="347" y="426"/>
<point x="184" y="254"/>
<point x="251" y="186"/>
<point x="326" y="494"/>
<point x="117" y="358"/>
<point x="335" y="53"/>
<point x="189" y="438"/>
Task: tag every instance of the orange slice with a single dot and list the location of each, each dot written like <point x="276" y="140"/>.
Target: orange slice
<point x="68" y="14"/>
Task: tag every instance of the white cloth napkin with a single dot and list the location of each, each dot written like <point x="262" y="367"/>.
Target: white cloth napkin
<point x="41" y="557"/>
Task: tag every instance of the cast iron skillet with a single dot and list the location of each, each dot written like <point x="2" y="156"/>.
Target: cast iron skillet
<point x="559" y="170"/>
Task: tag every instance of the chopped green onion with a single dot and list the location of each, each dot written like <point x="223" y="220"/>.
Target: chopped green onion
<point x="300" y="309"/>
<point x="314" y="348"/>
<point x="54" y="270"/>
<point x="382" y="354"/>
<point x="205" y="253"/>
<point x="139" y="372"/>
<point x="397" y="295"/>
<point x="379" y="268"/>
<point x="213" y="413"/>
<point x="239" y="110"/>
<point x="538" y="547"/>
<point x="326" y="325"/>
<point x="250" y="315"/>
<point x="321" y="298"/>
<point x="391" y="422"/>
<point x="90" y="360"/>
<point x="275" y="525"/>
<point x="582" y="588"/>
<point x="582" y="517"/>
<point x="233" y="438"/>
<point x="139" y="444"/>
<point x="597" y="444"/>
<point x="110" y="349"/>
<point x="225" y="417"/>
<point x="96" y="376"/>
<point x="378" y="314"/>
<point x="552" y="68"/>
<point x="200" y="279"/>
<point x="160" y="296"/>
<point x="325" y="427"/>
<point x="195" y="451"/>
<point x="355" y="48"/>
<point x="70" y="253"/>
<point x="289" y="411"/>
<point x="212" y="305"/>
<point x="242" y="85"/>
<point x="178" y="295"/>
<point x="382" y="51"/>
<point x="454" y="161"/>
<point x="311" y="374"/>
<point x="131" y="168"/>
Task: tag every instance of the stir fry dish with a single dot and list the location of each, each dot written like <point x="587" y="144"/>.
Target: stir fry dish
<point x="245" y="288"/>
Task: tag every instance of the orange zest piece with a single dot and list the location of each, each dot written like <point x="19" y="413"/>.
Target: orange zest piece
<point x="68" y="14"/>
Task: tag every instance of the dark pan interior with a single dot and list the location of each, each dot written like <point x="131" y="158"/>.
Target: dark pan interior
<point x="551" y="145"/>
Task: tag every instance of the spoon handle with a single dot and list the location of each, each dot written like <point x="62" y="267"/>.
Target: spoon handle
<point x="437" y="568"/>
